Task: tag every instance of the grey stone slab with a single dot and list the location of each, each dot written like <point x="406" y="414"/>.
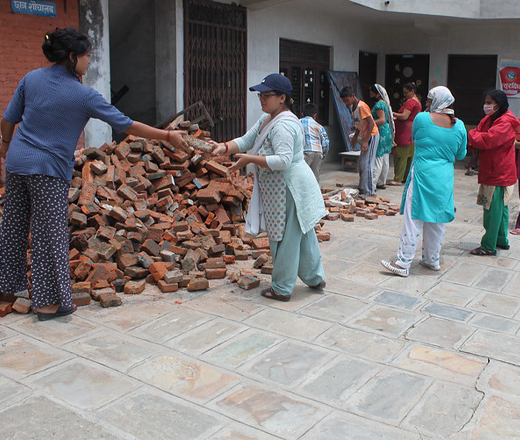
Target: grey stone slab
<point x="360" y="343"/>
<point x="184" y="377"/>
<point x="286" y="364"/>
<point x="11" y="392"/>
<point x="382" y="397"/>
<point x="356" y="247"/>
<point x="494" y="345"/>
<point x="168" y="326"/>
<point x="241" y="349"/>
<point x="512" y="287"/>
<point x="386" y="320"/>
<point x="83" y="384"/>
<point x="451" y="293"/>
<point x="414" y="285"/>
<point x="49" y="420"/>
<point x="114" y="350"/>
<point x="397" y="300"/>
<point x="6" y="333"/>
<point x="206" y="336"/>
<point x="367" y="274"/>
<point x="448" y="312"/>
<point x="288" y="324"/>
<point x="493" y="279"/>
<point x="346" y="426"/>
<point x="496" y="418"/>
<point x="156" y="416"/>
<point x="444" y="410"/>
<point x="337" y="266"/>
<point x="239" y="431"/>
<point x="335" y="381"/>
<point x="500" y="379"/>
<point x="497" y="304"/>
<point x="355" y="290"/>
<point x="334" y="308"/>
<point x="274" y="412"/>
<point x="226" y="305"/>
<point x="464" y="273"/>
<point x="21" y="356"/>
<point x="446" y="334"/>
<point x="495" y="323"/>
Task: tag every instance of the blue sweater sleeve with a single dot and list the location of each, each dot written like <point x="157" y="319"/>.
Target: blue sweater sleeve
<point x="16" y="107"/>
<point x="97" y="107"/>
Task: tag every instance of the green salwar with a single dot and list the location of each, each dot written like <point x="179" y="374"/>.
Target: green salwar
<point x="402" y="161"/>
<point x="496" y="220"/>
<point x="296" y="255"/>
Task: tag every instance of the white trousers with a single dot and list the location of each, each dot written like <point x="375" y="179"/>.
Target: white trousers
<point x="381" y="168"/>
<point x="433" y="236"/>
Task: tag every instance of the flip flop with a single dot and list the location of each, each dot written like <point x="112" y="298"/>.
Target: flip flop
<point x="483" y="252"/>
<point x="515" y="231"/>
<point x="271" y="294"/>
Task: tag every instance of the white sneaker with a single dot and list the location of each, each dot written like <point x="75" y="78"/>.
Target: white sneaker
<point x="398" y="271"/>
<point x="430" y="265"/>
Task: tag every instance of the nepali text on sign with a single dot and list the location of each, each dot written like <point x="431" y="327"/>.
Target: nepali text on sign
<point x="34" y="7"/>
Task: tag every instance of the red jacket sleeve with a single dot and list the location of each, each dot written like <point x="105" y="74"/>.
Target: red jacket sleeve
<point x="497" y="135"/>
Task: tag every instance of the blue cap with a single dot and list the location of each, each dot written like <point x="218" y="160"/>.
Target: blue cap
<point x="274" y="82"/>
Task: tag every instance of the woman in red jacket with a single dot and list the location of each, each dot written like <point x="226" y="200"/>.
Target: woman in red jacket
<point x="494" y="138"/>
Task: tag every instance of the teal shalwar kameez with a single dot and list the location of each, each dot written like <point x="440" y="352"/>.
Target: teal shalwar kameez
<point x="292" y="204"/>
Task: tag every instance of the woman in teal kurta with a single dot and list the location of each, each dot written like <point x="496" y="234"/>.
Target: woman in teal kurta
<point x="286" y="200"/>
<point x="427" y="202"/>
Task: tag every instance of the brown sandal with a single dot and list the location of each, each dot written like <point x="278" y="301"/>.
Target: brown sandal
<point x="483" y="252"/>
<point x="271" y="294"/>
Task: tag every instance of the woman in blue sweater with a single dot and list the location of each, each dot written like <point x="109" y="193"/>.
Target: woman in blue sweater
<point x="52" y="107"/>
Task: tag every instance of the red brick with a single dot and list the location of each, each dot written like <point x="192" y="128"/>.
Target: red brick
<point x="135" y="287"/>
<point x="167" y="288"/>
<point x="81" y="299"/>
<point x="110" y="300"/>
<point x="216" y="274"/>
<point x="198" y="284"/>
<point x="22" y="305"/>
<point x="248" y="282"/>
<point x="5" y="308"/>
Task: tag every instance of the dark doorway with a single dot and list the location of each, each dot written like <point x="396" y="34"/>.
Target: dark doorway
<point x="306" y="65"/>
<point x="215" y="63"/>
<point x="367" y="71"/>
<point x="469" y="76"/>
<point x="402" y="69"/>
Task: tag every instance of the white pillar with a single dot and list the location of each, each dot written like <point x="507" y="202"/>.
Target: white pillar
<point x="94" y="21"/>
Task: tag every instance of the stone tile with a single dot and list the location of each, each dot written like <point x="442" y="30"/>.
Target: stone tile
<point x="21" y="356"/>
<point x="287" y="364"/>
<point x="455" y="294"/>
<point x="55" y="331"/>
<point x="495" y="323"/>
<point x="464" y="273"/>
<point x="496" y="418"/>
<point x="512" y="287"/>
<point x="445" y="334"/>
<point x="168" y="326"/>
<point x="238" y="431"/>
<point x="11" y="392"/>
<point x="184" y="377"/>
<point x="493" y="279"/>
<point x="500" y="379"/>
<point x="356" y="247"/>
<point x="346" y="426"/>
<point x="336" y="308"/>
<point x="444" y="410"/>
<point x="44" y="417"/>
<point x="114" y="350"/>
<point x="334" y="382"/>
<point x="271" y="411"/>
<point x="448" y="312"/>
<point x="6" y="333"/>
<point x="397" y="300"/>
<point x="382" y="397"/>
<point x="496" y="304"/>
<point x="386" y="320"/>
<point x="83" y="384"/>
<point x="288" y="324"/>
<point x="337" y="266"/>
<point x="157" y="416"/>
<point x="360" y="343"/>
<point x="205" y="336"/>
<point x="244" y="347"/>
<point x="345" y="287"/>
<point x="302" y="296"/>
<point x="441" y="364"/>
<point x="225" y="305"/>
<point x="499" y="261"/>
<point x="367" y="274"/>
<point x="494" y="345"/>
<point x="413" y="285"/>
<point x="129" y="315"/>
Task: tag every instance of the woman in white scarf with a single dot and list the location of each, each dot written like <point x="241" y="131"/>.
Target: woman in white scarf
<point x="427" y="203"/>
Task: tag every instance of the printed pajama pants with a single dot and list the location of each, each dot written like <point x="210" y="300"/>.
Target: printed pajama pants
<point x="296" y="255"/>
<point x="433" y="236"/>
<point x="366" y="167"/>
<point x="37" y="204"/>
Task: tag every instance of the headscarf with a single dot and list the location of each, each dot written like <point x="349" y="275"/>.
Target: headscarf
<point x="441" y="99"/>
<point x="382" y="92"/>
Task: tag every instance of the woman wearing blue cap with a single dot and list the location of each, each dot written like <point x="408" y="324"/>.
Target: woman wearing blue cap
<point x="286" y="200"/>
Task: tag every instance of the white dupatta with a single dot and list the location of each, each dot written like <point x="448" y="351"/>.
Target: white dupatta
<point x="255" y="217"/>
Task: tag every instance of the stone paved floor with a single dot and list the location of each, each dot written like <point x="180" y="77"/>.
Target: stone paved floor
<point x="433" y="356"/>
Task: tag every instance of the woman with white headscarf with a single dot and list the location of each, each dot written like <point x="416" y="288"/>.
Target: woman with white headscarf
<point x="382" y="114"/>
<point x="427" y="202"/>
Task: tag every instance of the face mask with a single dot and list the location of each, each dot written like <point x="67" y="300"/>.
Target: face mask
<point x="489" y="109"/>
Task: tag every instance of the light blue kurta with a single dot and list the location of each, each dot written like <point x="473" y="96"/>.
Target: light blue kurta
<point x="283" y="148"/>
<point x="436" y="149"/>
